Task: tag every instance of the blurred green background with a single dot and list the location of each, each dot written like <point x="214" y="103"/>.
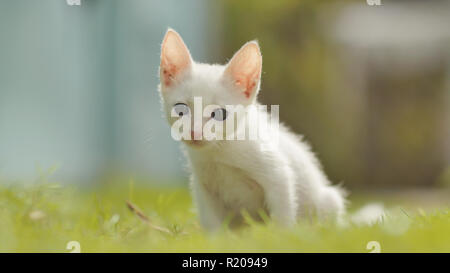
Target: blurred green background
<point x="368" y="86"/>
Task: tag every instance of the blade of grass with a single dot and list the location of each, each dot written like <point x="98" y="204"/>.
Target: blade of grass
<point x="133" y="208"/>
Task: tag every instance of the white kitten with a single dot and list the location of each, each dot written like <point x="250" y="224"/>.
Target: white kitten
<point x="280" y="177"/>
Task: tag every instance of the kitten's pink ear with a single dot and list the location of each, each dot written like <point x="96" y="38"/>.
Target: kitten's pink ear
<point x="244" y="69"/>
<point x="175" y="58"/>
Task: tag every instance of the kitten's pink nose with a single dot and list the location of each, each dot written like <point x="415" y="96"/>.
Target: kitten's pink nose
<point x="196" y="135"/>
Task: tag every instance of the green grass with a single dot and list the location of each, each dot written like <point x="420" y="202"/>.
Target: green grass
<point x="45" y="217"/>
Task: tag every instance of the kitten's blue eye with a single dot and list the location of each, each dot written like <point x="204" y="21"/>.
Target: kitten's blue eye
<point x="219" y="114"/>
<point x="181" y="109"/>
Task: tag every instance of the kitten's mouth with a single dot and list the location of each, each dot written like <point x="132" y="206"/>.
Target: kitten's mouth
<point x="195" y="143"/>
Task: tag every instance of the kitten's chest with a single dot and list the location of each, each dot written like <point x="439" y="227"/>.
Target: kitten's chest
<point x="232" y="187"/>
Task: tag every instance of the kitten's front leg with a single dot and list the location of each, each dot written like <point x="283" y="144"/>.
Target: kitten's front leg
<point x="275" y="177"/>
<point x="210" y="213"/>
<point x="280" y="198"/>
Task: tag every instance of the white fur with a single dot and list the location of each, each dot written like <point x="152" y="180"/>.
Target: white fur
<point x="283" y="179"/>
<point x="369" y="214"/>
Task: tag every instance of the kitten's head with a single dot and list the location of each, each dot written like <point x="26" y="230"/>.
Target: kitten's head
<point x="182" y="80"/>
